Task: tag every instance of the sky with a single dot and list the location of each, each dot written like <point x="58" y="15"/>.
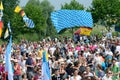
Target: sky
<point x="57" y="3"/>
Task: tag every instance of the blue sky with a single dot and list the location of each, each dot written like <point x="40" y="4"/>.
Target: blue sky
<point x="57" y="3"/>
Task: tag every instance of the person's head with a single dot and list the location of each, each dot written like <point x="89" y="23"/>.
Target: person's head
<point x="62" y="64"/>
<point x="30" y="54"/>
<point x="84" y="74"/>
<point x="88" y="69"/>
<point x="114" y="61"/>
<point x="56" y="72"/>
<point x="15" y="61"/>
<point x="39" y="71"/>
<point x="99" y="67"/>
<point x="75" y="72"/>
<point x="109" y="73"/>
<point x="76" y="64"/>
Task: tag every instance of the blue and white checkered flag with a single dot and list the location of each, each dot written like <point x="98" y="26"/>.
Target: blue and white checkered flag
<point x="71" y="18"/>
<point x="29" y="23"/>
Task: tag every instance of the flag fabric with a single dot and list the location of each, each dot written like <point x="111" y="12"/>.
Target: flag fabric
<point x="1" y="26"/>
<point x="1" y="11"/>
<point x="17" y="9"/>
<point x="28" y="22"/>
<point x="71" y="18"/>
<point x="1" y="6"/>
<point x="45" y="67"/>
<point x="6" y="33"/>
<point x="85" y="31"/>
<point x="8" y="65"/>
<point x="1" y="15"/>
<point x="9" y="27"/>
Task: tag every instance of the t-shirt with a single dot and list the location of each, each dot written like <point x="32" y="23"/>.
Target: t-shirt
<point x="29" y="61"/>
<point x="75" y="78"/>
<point x="106" y="78"/>
<point x="40" y="53"/>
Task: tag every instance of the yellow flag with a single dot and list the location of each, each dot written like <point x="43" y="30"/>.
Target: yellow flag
<point x="17" y="9"/>
<point x="46" y="56"/>
<point x="1" y="6"/>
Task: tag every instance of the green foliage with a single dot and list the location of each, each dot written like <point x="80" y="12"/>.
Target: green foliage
<point x="34" y="12"/>
<point x="40" y="14"/>
<point x="105" y="10"/>
<point x="73" y="5"/>
<point x="8" y="12"/>
<point x="47" y="8"/>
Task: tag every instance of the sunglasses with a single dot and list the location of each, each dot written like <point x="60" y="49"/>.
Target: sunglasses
<point x="109" y="73"/>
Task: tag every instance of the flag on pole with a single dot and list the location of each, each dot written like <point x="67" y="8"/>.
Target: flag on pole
<point x="1" y="11"/>
<point x="8" y="65"/>
<point x="7" y="31"/>
<point x="28" y="22"/>
<point x="1" y="15"/>
<point x="45" y="67"/>
<point x="1" y="26"/>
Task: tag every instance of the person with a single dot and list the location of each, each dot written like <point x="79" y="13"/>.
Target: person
<point x="30" y="67"/>
<point x="115" y="69"/>
<point x="24" y="77"/>
<point x="38" y="75"/>
<point x="56" y="75"/>
<point x="62" y="71"/>
<point x="75" y="75"/>
<point x="108" y="76"/>
<point x="17" y="71"/>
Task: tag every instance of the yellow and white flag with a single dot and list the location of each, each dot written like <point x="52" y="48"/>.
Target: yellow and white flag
<point x="6" y="33"/>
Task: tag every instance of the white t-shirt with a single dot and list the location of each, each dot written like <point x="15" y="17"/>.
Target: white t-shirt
<point x="106" y="78"/>
<point x="77" y="78"/>
<point x="118" y="48"/>
<point x="108" y="53"/>
<point x="86" y="54"/>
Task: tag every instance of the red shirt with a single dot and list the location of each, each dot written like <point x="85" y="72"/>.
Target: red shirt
<point x="17" y="71"/>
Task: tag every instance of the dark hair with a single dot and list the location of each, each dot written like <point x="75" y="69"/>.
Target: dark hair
<point x="76" y="63"/>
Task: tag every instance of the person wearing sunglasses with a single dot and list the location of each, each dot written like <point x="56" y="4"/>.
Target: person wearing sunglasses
<point x="108" y="76"/>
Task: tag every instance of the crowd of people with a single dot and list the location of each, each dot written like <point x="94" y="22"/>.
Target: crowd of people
<point x="86" y="59"/>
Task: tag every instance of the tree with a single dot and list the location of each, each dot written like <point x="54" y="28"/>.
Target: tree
<point x="73" y="5"/>
<point x="47" y="8"/>
<point x="8" y="11"/>
<point x="105" y="11"/>
<point x="34" y="11"/>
